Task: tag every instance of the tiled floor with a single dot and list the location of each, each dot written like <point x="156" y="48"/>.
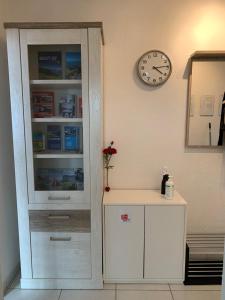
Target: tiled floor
<point x="120" y="292"/>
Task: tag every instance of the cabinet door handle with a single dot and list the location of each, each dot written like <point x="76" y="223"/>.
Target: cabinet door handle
<point x="52" y="217"/>
<point x="58" y="239"/>
<point x="58" y="198"/>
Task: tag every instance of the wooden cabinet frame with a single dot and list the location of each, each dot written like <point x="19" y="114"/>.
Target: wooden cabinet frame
<point x="16" y="33"/>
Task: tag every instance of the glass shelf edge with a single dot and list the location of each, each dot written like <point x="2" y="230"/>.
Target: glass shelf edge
<point x="56" y="82"/>
<point x="57" y="120"/>
<point x="52" y="155"/>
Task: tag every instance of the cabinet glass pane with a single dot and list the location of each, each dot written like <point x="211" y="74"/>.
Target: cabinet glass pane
<point x="57" y="117"/>
<point x="55" y="62"/>
<point x="58" y="138"/>
<point x="56" y="100"/>
<point x="58" y="174"/>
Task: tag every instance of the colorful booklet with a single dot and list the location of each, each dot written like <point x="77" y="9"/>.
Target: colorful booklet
<point x="67" y="106"/>
<point x="50" y="65"/>
<point x="42" y="104"/>
<point x="70" y="106"/>
<point x="69" y="182"/>
<point x="38" y="141"/>
<point x="79" y="177"/>
<point x="71" y="138"/>
<point x="53" y="137"/>
<point x="73" y="65"/>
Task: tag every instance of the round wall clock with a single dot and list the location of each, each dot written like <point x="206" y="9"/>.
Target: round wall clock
<point x="154" y="68"/>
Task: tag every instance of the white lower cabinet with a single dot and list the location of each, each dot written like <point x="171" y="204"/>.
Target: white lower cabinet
<point x="124" y="242"/>
<point x="144" y="237"/>
<point x="164" y="242"/>
<point x="61" y="255"/>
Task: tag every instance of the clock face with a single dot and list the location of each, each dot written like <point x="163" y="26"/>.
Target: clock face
<point x="154" y="68"/>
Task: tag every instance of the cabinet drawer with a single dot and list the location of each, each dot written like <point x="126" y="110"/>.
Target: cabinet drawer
<point x="57" y="197"/>
<point x="60" y="221"/>
<point x="61" y="255"/>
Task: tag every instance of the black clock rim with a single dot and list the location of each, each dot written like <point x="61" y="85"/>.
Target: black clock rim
<point x="139" y="75"/>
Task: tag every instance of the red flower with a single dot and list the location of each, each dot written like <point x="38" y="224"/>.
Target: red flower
<point x="109" y="151"/>
<point x="106" y="151"/>
<point x="107" y="154"/>
<point x="112" y="151"/>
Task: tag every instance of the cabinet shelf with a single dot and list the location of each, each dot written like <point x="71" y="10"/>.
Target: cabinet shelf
<point x="58" y="155"/>
<point x="56" y="82"/>
<point x="57" y="120"/>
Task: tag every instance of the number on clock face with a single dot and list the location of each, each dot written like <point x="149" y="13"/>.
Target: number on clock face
<point x="154" y="68"/>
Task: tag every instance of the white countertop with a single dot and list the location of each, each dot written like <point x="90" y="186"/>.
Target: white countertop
<point x="140" y="197"/>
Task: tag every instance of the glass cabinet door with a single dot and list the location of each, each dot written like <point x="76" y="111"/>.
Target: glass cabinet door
<point x="56" y="114"/>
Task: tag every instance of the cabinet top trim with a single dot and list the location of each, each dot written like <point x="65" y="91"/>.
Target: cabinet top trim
<point x="140" y="197"/>
<point x="55" y="25"/>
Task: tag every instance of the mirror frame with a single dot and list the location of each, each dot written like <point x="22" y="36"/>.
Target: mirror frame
<point x="199" y="56"/>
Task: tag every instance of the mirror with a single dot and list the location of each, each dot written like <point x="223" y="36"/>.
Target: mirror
<point x="206" y="100"/>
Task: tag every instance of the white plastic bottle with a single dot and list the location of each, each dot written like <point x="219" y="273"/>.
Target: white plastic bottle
<point x="169" y="188"/>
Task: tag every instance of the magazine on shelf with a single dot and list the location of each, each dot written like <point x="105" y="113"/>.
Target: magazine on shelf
<point x="70" y="106"/>
<point x="73" y="65"/>
<point x="42" y="104"/>
<point x="38" y="141"/>
<point x="57" y="179"/>
<point x="50" y="65"/>
<point x="53" y="137"/>
<point x="79" y="178"/>
<point x="67" y="106"/>
<point x="68" y="181"/>
<point x="72" y="138"/>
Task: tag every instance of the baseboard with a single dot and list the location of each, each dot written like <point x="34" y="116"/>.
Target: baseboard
<point x="11" y="278"/>
<point x="144" y="280"/>
<point x="71" y="284"/>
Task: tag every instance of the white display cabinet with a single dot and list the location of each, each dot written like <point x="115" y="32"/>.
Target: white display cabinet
<point x="55" y="72"/>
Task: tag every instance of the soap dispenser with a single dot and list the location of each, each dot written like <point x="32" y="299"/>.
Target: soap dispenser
<point x="164" y="180"/>
<point x="170" y="188"/>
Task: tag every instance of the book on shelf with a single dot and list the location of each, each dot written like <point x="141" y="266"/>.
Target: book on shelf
<point x="79" y="178"/>
<point x="59" y="179"/>
<point x="38" y="141"/>
<point x="53" y="137"/>
<point x="73" y="65"/>
<point x="50" y="65"/>
<point x="69" y="179"/>
<point x="42" y="104"/>
<point x="67" y="106"/>
<point x="70" y="106"/>
<point x="72" y="138"/>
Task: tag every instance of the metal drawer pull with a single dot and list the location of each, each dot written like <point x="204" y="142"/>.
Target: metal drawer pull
<point x="55" y="239"/>
<point x="58" y="198"/>
<point x="52" y="217"/>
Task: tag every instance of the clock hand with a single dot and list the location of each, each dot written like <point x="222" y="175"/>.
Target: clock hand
<point x="155" y="68"/>
<point x="161" y="67"/>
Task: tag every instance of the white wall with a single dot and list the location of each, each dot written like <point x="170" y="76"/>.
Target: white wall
<point x="9" y="249"/>
<point x="148" y="125"/>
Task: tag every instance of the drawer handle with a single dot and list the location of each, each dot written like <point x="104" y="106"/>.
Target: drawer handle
<point x="58" y="198"/>
<point x="52" y="217"/>
<point x="55" y="239"/>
